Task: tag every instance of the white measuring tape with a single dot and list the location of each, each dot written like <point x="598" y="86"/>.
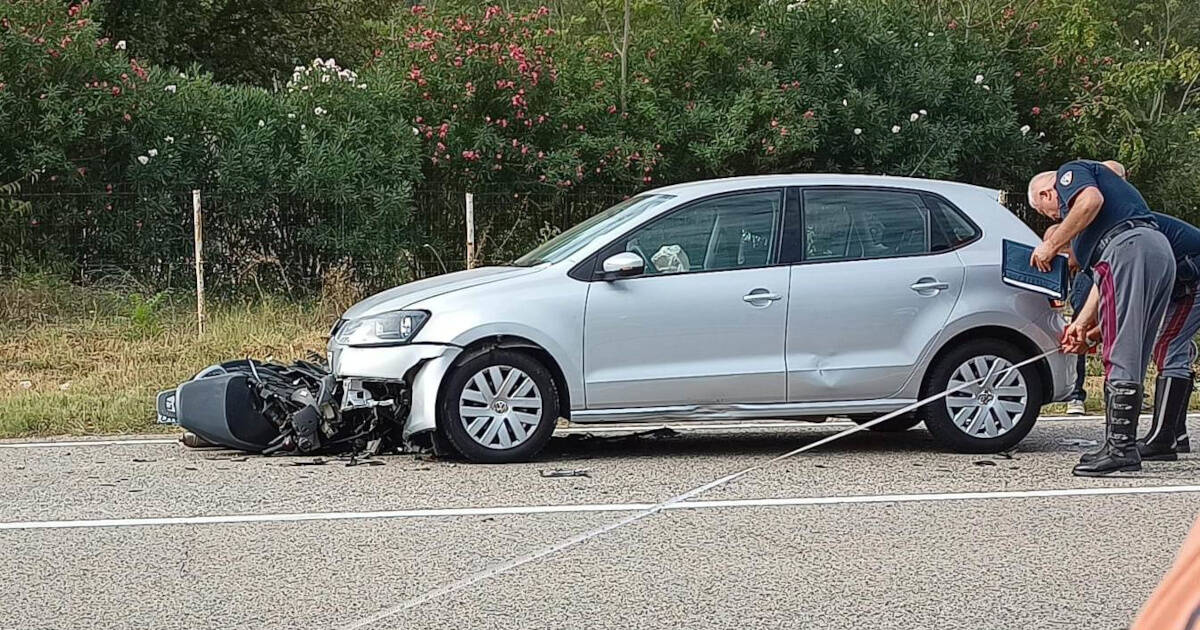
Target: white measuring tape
<point x="518" y="561"/>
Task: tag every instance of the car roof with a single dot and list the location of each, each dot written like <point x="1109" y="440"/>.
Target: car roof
<point x="711" y="186"/>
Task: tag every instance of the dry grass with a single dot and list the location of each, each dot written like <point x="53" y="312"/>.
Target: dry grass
<point x="90" y="360"/>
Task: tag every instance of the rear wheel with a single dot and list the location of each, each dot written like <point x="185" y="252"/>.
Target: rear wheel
<point x="995" y="407"/>
<point x="499" y="407"/>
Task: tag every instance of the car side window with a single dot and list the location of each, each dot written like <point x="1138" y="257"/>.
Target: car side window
<point x="859" y="224"/>
<point x="728" y="232"/>
<point x="948" y="227"/>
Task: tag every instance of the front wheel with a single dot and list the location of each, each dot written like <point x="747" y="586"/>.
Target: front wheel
<point x="988" y="416"/>
<point x="499" y="407"/>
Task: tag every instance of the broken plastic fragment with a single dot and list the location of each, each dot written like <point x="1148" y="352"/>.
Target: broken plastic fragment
<point x="564" y="472"/>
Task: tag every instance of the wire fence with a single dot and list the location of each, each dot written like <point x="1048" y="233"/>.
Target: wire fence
<point x="281" y="242"/>
<point x="277" y="241"/>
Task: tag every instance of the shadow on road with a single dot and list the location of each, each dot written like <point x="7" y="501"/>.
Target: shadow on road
<point x="669" y="443"/>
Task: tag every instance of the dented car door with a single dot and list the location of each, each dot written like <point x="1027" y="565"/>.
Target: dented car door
<point x="868" y="294"/>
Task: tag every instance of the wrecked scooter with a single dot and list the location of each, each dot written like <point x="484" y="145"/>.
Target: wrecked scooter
<point x="271" y="408"/>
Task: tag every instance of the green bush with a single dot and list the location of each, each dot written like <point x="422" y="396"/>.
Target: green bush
<point x="103" y="154"/>
<point x="547" y="116"/>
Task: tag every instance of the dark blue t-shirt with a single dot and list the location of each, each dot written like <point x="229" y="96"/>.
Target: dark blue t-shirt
<point x="1183" y="236"/>
<point x="1121" y="202"/>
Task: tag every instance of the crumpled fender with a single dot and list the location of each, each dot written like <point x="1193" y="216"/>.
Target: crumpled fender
<point x="422" y="415"/>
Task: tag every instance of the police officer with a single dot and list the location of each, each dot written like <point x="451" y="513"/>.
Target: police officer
<point x="1115" y="237"/>
<point x="1173" y="351"/>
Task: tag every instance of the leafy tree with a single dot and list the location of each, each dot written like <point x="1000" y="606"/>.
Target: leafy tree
<point x="247" y="41"/>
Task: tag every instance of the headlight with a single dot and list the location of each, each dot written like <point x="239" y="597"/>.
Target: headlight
<point x="387" y="329"/>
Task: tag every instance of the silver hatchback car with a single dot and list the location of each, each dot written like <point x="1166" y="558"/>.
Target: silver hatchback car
<point x="786" y="296"/>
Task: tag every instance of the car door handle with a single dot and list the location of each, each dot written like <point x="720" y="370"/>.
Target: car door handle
<point x="761" y="297"/>
<point x="929" y="284"/>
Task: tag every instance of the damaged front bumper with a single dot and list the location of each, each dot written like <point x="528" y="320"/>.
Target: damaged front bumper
<point x="418" y="368"/>
<point x="370" y="399"/>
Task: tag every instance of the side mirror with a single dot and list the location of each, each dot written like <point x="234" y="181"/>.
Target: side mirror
<point x="622" y="265"/>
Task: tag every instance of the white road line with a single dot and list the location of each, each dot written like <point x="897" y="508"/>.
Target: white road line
<point x="574" y="428"/>
<point x="53" y="444"/>
<point x="918" y="498"/>
<point x="594" y="507"/>
<point x="324" y="516"/>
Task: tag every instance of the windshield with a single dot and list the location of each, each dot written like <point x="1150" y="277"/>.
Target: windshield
<point x="572" y="240"/>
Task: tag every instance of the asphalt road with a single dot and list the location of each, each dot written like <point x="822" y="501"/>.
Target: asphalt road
<point x="874" y="531"/>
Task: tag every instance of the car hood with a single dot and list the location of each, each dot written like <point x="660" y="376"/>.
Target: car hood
<point x="408" y="294"/>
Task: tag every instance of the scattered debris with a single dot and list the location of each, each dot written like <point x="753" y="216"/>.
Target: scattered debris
<point x="1078" y="442"/>
<point x="365" y="462"/>
<point x="1004" y="454"/>
<point x="241" y="458"/>
<point x="565" y="472"/>
<point x="139" y="460"/>
<point x="191" y="440"/>
<point x="985" y="462"/>
<point x="316" y="461"/>
<point x="26" y="384"/>
<point x="65" y="386"/>
<point x="190" y="468"/>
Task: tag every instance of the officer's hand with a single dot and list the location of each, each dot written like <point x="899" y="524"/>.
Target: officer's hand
<point x="1074" y="339"/>
<point x="1042" y="256"/>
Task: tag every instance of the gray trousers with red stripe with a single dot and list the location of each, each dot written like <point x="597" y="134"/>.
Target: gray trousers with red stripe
<point x="1134" y="276"/>
<point x="1173" y="352"/>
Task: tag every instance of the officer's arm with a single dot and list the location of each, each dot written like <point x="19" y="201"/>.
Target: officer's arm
<point x="1084" y="208"/>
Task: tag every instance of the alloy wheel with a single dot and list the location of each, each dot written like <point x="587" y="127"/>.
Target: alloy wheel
<point x="500" y="407"/>
<point x="991" y="407"/>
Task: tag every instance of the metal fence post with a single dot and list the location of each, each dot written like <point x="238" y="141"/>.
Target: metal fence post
<point x="470" y="231"/>
<point x="198" y="223"/>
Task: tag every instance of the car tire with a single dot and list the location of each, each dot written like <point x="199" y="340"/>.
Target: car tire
<point x="899" y="424"/>
<point x="498" y="428"/>
<point x="962" y="421"/>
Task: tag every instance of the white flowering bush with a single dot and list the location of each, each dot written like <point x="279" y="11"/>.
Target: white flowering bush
<point x="282" y="172"/>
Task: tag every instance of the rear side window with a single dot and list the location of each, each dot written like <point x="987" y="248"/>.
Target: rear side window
<point x="948" y="227"/>
<point x="861" y="224"/>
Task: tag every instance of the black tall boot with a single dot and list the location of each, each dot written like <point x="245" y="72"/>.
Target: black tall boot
<point x="1181" y="437"/>
<point x="1123" y="403"/>
<point x="1159" y="390"/>
<point x="1170" y="399"/>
